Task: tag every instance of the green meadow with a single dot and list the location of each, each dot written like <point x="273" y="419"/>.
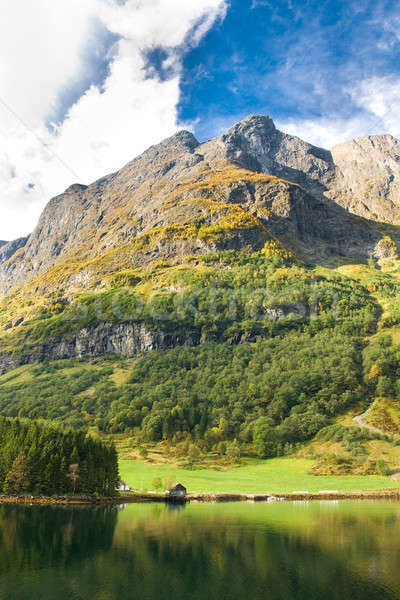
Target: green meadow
<point x="277" y="475"/>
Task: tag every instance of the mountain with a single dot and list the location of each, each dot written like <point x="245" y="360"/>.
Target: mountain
<point x="252" y="280"/>
<point x="265" y="183"/>
<point x="367" y="180"/>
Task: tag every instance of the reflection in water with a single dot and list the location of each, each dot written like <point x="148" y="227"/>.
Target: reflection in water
<point x="176" y="506"/>
<point x="283" y="551"/>
<point x="37" y="536"/>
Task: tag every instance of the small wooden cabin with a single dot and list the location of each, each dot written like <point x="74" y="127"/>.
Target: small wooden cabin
<point x="178" y="491"/>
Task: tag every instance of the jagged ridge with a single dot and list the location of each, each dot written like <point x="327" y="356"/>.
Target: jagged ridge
<point x="89" y="231"/>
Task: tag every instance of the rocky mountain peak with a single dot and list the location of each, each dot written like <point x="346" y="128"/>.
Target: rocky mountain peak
<point x="256" y="144"/>
<point x="380" y="142"/>
<point x="376" y="151"/>
<point x="254" y="181"/>
<point x="255" y="129"/>
<point x="75" y="187"/>
<point x="183" y="139"/>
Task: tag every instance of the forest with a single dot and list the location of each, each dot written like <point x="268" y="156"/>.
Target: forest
<point x="43" y="460"/>
<point x="270" y="395"/>
<point x="280" y="349"/>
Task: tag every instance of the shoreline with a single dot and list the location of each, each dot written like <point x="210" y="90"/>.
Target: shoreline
<point x="199" y="497"/>
<point x="296" y="496"/>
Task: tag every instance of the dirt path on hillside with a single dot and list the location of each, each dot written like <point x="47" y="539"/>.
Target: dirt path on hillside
<point x="360" y="420"/>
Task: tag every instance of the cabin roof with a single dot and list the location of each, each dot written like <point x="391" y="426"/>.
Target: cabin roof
<point x="178" y="488"/>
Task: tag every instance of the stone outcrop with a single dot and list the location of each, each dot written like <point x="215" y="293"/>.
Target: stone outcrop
<point x="256" y="144"/>
<point x="367" y="179"/>
<point x="9" y="261"/>
<point x="311" y="203"/>
<point x="8" y="249"/>
<point x="252" y="188"/>
<point x="128" y="339"/>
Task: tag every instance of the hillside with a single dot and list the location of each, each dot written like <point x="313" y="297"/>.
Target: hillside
<point x="238" y="295"/>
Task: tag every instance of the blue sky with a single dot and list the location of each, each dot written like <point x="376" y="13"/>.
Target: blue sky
<point x="90" y="84"/>
<point x="294" y="60"/>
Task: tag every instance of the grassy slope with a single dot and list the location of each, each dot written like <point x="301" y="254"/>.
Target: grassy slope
<point x="276" y="475"/>
<point x="255" y="476"/>
<point x="384" y="414"/>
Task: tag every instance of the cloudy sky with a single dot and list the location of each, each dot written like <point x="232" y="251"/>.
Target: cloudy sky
<point x="85" y="85"/>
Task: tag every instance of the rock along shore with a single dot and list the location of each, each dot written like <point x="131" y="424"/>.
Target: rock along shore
<point x="203" y="497"/>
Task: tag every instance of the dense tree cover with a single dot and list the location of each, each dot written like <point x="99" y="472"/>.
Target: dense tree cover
<point x="51" y="393"/>
<point x="216" y="392"/>
<point x="222" y="391"/>
<point x="40" y="459"/>
<point x="300" y="359"/>
<point x="382" y="367"/>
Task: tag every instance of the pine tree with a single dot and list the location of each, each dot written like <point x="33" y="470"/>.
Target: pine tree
<point x="17" y="477"/>
<point x="39" y="459"/>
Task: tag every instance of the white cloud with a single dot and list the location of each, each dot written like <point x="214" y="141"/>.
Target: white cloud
<point x="378" y="103"/>
<point x="106" y="127"/>
<point x="380" y="97"/>
<point x="146" y="23"/>
<point x="326" y="131"/>
<point x="39" y="45"/>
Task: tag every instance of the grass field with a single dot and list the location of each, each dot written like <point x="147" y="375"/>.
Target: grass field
<point x="279" y="475"/>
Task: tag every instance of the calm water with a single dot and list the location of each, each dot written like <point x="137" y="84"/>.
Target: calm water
<point x="346" y="550"/>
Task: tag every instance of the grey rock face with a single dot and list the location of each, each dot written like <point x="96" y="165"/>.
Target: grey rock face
<point x="8" y="249"/>
<point x="86" y="221"/>
<point x="128" y="339"/>
<point x="367" y="178"/>
<point x="310" y="199"/>
<point x="257" y="145"/>
<point x="362" y="175"/>
<point x="155" y="190"/>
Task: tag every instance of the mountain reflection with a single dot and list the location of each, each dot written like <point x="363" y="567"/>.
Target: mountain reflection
<point x="202" y="553"/>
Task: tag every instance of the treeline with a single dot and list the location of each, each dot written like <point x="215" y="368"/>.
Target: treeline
<point x="214" y="392"/>
<point x="43" y="460"/>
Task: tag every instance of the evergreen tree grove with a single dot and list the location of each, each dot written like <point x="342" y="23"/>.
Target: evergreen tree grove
<point x="42" y="459"/>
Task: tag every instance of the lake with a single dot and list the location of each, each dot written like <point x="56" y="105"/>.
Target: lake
<point x="284" y="550"/>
